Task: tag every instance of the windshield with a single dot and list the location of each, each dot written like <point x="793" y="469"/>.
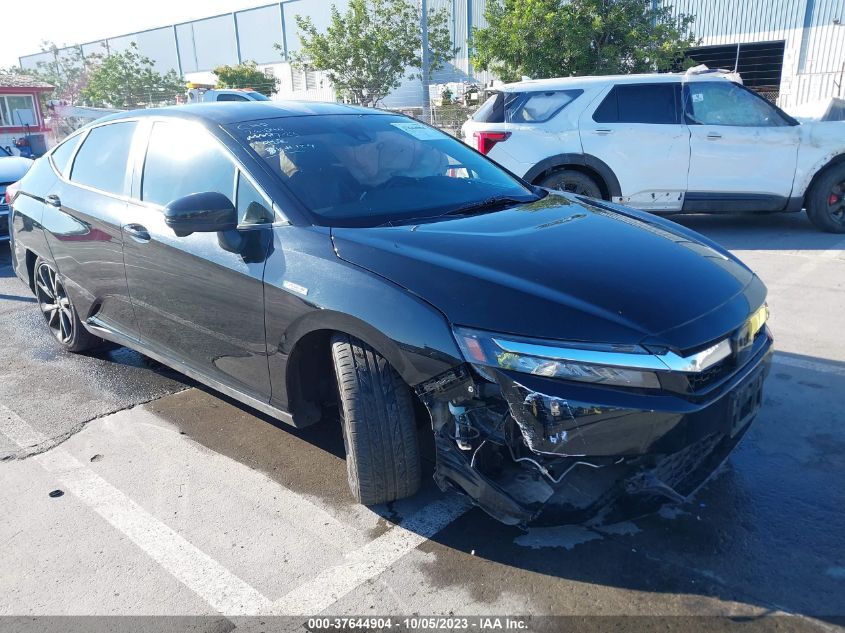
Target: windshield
<point x="371" y="169"/>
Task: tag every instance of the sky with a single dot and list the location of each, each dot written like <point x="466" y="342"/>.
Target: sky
<point x="27" y="23"/>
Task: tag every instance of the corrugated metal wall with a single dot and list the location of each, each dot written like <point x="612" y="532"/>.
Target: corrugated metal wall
<point x="813" y="32"/>
<point x="195" y="48"/>
<point x="732" y="21"/>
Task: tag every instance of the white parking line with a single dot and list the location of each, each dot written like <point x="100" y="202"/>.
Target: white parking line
<point x="220" y="588"/>
<point x="372" y="559"/>
<point x="819" y="366"/>
<point x="215" y="584"/>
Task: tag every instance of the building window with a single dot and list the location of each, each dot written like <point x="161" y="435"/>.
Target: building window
<point x="17" y="111"/>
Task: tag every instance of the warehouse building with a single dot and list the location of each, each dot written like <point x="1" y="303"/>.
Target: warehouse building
<point x="791" y="50"/>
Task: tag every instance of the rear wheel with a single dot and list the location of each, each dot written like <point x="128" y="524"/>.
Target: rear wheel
<point x="58" y="310"/>
<point x="826" y="200"/>
<point x="382" y="453"/>
<point x="572" y="181"/>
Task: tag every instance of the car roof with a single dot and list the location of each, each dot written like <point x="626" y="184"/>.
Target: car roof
<point x="563" y="83"/>
<point x="239" y="111"/>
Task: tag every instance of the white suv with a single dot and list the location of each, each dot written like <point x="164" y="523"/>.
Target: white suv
<point x="670" y="143"/>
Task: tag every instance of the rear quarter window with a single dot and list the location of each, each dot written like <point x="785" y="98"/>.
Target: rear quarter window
<point x="538" y="107"/>
<point x="492" y="110"/>
<point x="62" y="154"/>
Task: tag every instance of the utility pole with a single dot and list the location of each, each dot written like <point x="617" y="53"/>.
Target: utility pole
<point x="426" y="78"/>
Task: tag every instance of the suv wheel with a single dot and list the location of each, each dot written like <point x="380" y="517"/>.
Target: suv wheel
<point x="379" y="430"/>
<point x="572" y="181"/>
<point x="58" y="310"/>
<point x="826" y="201"/>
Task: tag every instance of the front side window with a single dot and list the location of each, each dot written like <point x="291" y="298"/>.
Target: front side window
<point x="725" y="103"/>
<point x="654" y="103"/>
<point x="17" y="111"/>
<point x="365" y="170"/>
<point x="101" y="161"/>
<point x="183" y="158"/>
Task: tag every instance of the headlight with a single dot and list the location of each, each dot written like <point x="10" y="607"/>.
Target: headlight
<point x="626" y="366"/>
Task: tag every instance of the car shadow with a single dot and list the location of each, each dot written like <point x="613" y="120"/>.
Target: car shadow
<point x="761" y="231"/>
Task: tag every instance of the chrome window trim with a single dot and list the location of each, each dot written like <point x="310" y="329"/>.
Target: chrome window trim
<point x="655" y="362"/>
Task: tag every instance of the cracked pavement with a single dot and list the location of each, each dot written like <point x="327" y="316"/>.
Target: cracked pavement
<point x="178" y="501"/>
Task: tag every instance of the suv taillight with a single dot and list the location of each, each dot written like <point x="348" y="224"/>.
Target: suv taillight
<point x="11" y="190"/>
<point x="484" y="141"/>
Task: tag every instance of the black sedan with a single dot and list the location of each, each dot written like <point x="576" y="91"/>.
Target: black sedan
<point x="305" y="257"/>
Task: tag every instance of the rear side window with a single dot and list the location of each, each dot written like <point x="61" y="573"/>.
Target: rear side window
<point x="538" y="107"/>
<point x="61" y="155"/>
<point x="643" y="103"/>
<point x="101" y="161"/>
<point x="183" y="158"/>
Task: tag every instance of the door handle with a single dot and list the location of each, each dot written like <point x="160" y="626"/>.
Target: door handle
<point x="714" y="135"/>
<point x="137" y="232"/>
<point x="53" y="200"/>
<point x="604" y="132"/>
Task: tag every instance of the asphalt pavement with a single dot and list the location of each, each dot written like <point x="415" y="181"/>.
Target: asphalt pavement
<point x="171" y="500"/>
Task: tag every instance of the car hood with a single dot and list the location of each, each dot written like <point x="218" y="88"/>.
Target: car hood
<point x="565" y="268"/>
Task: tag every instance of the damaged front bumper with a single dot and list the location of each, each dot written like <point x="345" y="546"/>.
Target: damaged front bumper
<point x="524" y="447"/>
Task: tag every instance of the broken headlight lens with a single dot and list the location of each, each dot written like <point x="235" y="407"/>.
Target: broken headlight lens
<point x="584" y="363"/>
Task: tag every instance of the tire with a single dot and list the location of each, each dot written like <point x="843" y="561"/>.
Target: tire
<point x="379" y="431"/>
<point x="572" y="181"/>
<point x="58" y="310"/>
<point x="826" y="200"/>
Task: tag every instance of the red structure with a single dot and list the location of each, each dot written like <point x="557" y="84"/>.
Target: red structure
<point x="21" y="118"/>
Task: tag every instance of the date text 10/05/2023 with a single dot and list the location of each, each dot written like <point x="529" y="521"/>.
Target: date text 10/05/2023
<point x="419" y="623"/>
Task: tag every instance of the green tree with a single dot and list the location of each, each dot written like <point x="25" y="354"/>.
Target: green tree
<point x="128" y="79"/>
<point x="559" y="38"/>
<point x="68" y="71"/>
<point x="246" y="75"/>
<point x="367" y="51"/>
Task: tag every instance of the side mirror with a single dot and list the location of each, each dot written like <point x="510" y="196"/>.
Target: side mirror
<point x="207" y="212"/>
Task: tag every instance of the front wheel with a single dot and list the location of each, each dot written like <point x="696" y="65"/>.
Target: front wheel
<point x="572" y="181"/>
<point x="58" y="310"/>
<point x="382" y="452"/>
<point x="826" y="201"/>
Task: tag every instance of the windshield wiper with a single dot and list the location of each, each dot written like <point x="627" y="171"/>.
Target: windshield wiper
<point x="490" y="203"/>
